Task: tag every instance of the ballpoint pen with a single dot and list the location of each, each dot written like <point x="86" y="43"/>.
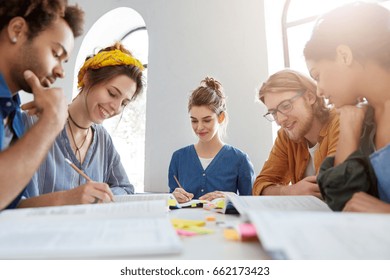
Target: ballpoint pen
<point x="177" y="181"/>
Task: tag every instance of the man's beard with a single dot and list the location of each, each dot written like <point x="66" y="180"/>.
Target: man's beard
<point x="304" y="126"/>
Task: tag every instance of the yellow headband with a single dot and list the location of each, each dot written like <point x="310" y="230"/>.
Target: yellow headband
<point x="107" y="58"/>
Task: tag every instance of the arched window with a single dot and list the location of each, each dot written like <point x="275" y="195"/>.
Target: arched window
<point x="128" y="129"/>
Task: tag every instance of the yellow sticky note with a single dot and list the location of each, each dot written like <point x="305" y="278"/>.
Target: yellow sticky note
<point x="231" y="234"/>
<point x="182" y="223"/>
<point x="220" y="204"/>
<point x="200" y="230"/>
<point x="172" y="202"/>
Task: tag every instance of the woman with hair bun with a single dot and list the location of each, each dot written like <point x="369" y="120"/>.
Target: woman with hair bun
<point x="210" y="166"/>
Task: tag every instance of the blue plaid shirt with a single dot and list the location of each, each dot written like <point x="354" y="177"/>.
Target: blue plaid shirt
<point x="10" y="107"/>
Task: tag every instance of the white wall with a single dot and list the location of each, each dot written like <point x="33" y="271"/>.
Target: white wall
<point x="189" y="39"/>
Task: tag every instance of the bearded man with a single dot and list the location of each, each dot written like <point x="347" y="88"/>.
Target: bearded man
<point x="308" y="134"/>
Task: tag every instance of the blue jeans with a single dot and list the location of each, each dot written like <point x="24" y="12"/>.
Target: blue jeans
<point x="380" y="161"/>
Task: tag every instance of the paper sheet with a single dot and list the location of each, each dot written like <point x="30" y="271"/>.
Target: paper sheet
<point x="88" y="231"/>
<point x="282" y="203"/>
<point x="323" y="235"/>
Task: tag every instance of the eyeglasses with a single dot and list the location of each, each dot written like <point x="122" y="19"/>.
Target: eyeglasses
<point x="284" y="108"/>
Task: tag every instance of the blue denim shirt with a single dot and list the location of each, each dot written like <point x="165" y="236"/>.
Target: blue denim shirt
<point x="102" y="164"/>
<point x="230" y="170"/>
<point x="380" y="161"/>
<point x="10" y="107"/>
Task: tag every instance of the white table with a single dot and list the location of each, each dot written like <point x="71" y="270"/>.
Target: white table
<point x="213" y="246"/>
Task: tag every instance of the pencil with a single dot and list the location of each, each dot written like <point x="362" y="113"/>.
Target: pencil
<point x="177" y="181"/>
<point x="78" y="170"/>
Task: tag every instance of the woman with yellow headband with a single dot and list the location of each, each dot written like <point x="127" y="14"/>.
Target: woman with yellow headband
<point x="107" y="82"/>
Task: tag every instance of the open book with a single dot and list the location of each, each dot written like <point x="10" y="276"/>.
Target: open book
<point x="193" y="203"/>
<point x="323" y="235"/>
<point x="88" y="231"/>
<point x="243" y="204"/>
<point x="167" y="197"/>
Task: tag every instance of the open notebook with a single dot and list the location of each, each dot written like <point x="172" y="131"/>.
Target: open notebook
<point x="323" y="235"/>
<point x="243" y="204"/>
<point x="88" y="231"/>
<point x="168" y="197"/>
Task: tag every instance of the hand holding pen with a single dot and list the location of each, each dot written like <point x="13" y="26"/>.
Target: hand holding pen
<point x="91" y="192"/>
<point x="180" y="194"/>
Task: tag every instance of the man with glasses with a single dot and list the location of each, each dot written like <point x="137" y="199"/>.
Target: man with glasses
<point x="308" y="134"/>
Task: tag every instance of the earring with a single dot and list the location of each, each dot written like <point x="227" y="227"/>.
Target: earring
<point x="14" y="40"/>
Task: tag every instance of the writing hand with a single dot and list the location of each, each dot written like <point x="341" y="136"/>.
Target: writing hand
<point x="91" y="192"/>
<point x="182" y="196"/>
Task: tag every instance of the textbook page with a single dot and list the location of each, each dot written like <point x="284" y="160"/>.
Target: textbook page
<point x="323" y="235"/>
<point x="135" y="208"/>
<point x="114" y="230"/>
<point x="169" y="198"/>
<point x="193" y="203"/>
<point x="143" y="197"/>
<point x="283" y="203"/>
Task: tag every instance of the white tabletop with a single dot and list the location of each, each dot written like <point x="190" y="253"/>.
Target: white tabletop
<point x="213" y="246"/>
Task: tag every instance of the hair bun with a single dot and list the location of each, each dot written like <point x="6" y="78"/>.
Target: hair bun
<point x="212" y="83"/>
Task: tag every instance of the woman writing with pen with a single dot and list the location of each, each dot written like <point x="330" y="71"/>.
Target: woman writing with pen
<point x="107" y="81"/>
<point x="210" y="166"/>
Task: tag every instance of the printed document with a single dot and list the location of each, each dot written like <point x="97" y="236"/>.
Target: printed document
<point x="115" y="230"/>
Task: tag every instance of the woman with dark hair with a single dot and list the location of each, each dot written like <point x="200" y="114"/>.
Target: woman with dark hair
<point x="210" y="166"/>
<point x="348" y="55"/>
<point x="107" y="82"/>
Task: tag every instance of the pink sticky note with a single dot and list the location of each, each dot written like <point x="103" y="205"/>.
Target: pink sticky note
<point x="247" y="231"/>
<point x="183" y="232"/>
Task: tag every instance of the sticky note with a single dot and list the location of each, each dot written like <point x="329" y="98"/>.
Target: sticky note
<point x="183" y="232"/>
<point x="172" y="202"/>
<point x="220" y="204"/>
<point x="247" y="232"/>
<point x="182" y="223"/>
<point x="210" y="218"/>
<point x="230" y="234"/>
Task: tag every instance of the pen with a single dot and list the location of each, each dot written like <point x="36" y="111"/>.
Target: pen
<point x="180" y="186"/>
<point x="77" y="169"/>
<point x="177" y="181"/>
